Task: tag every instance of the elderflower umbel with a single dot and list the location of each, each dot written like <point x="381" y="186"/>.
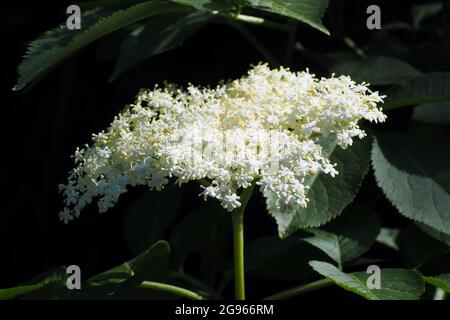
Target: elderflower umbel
<point x="264" y="128"/>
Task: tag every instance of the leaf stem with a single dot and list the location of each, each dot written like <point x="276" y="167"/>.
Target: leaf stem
<point x="352" y="45"/>
<point x="261" y="22"/>
<point x="238" y="244"/>
<point x="289" y="293"/>
<point x="181" y="292"/>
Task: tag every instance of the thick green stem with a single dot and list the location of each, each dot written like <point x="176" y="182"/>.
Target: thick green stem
<point x="238" y="243"/>
<point x="300" y="290"/>
<point x="181" y="292"/>
<point x="238" y="240"/>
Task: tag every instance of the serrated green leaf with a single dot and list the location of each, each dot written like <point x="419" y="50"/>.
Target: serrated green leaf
<point x="148" y="218"/>
<point x="347" y="237"/>
<point x="433" y="87"/>
<point x="60" y="43"/>
<point x="414" y="173"/>
<point x="329" y="196"/>
<point x="54" y="276"/>
<point x="395" y="284"/>
<point x="158" y="35"/>
<point x="286" y="259"/>
<point x="377" y="70"/>
<point x="307" y="11"/>
<point x="441" y="281"/>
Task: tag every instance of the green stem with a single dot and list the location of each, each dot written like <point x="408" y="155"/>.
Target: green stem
<point x="181" y="292"/>
<point x="300" y="290"/>
<point x="261" y="22"/>
<point x="352" y="45"/>
<point x="238" y="243"/>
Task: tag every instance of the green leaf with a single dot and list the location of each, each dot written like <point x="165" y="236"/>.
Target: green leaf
<point x="377" y="70"/>
<point x="433" y="113"/>
<point x="152" y="264"/>
<point x="329" y="196"/>
<point x="155" y="256"/>
<point x="208" y="5"/>
<point x="147" y="219"/>
<point x="307" y="11"/>
<point x="286" y="259"/>
<point x="414" y="173"/>
<point x="114" y="275"/>
<point x="396" y="284"/>
<point x="60" y="43"/>
<point x="118" y="282"/>
<point x="11" y="293"/>
<point x="347" y="237"/>
<point x="160" y="34"/>
<point x="433" y="87"/>
<point x="388" y="237"/>
<point x="54" y="276"/>
<point x="445" y="238"/>
<point x="440" y="281"/>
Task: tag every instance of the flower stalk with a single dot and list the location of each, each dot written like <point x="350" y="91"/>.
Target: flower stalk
<point x="238" y="244"/>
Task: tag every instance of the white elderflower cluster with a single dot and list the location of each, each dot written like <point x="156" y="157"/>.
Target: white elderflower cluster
<point x="263" y="128"/>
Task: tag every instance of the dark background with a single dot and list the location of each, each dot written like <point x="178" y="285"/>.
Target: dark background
<point x="43" y="125"/>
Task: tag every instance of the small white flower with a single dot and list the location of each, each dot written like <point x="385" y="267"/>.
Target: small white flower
<point x="157" y="182"/>
<point x="230" y="202"/>
<point x="65" y="215"/>
<point x="210" y="191"/>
